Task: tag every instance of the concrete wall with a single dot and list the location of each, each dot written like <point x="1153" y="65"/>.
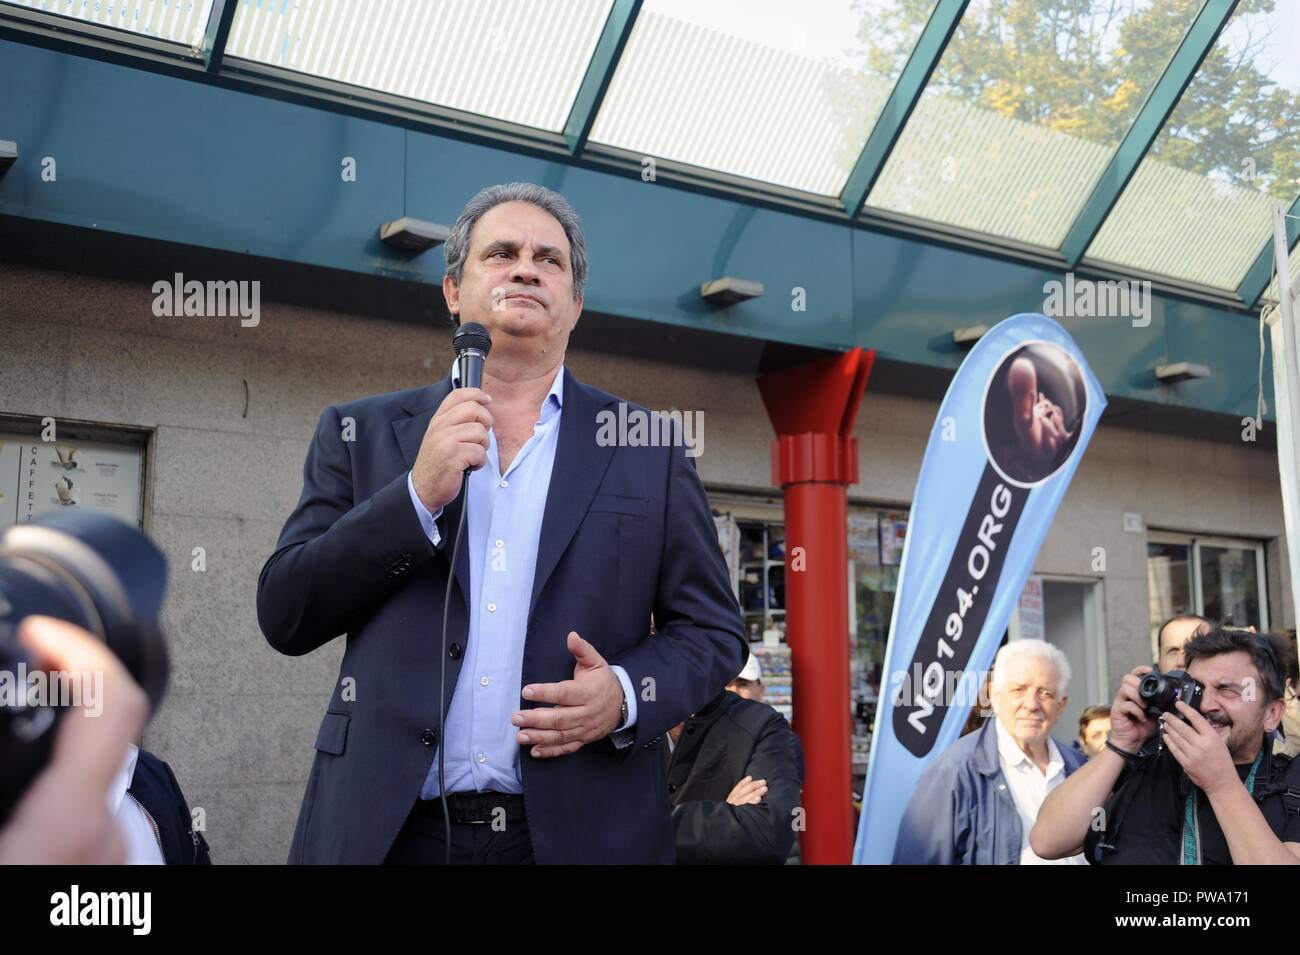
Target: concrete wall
<point x="233" y="410"/>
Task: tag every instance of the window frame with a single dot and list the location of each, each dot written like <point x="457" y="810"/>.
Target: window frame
<point x="1195" y="542"/>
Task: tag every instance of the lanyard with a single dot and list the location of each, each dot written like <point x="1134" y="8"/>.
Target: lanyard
<point x="1191" y="828"/>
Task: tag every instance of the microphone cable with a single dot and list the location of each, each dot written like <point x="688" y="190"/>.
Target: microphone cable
<point x="442" y="672"/>
<point x="472" y="343"/>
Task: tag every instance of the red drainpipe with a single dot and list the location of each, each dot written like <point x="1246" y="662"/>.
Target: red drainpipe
<point x="814" y="460"/>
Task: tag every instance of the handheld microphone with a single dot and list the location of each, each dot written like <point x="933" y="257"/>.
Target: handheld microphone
<point x="472" y="344"/>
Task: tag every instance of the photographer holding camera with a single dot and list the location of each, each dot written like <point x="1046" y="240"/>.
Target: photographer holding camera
<point x="1207" y="791"/>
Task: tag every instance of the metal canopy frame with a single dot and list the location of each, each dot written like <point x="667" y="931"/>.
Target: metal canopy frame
<point x="1142" y="132"/>
<point x="902" y="100"/>
<point x="604" y="61"/>
<point x="217" y="32"/>
<point x="1259" y="274"/>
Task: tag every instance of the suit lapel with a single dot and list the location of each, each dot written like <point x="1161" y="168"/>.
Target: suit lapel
<point x="580" y="465"/>
<point x="409" y="431"/>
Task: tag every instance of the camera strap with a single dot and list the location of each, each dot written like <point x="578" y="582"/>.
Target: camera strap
<point x="1285" y="784"/>
<point x="1107" y="840"/>
<point x="1192" y="828"/>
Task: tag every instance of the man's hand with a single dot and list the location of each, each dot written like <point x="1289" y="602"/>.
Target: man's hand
<point x="456" y="439"/>
<point x="1130" y="727"/>
<point x="63" y="818"/>
<point x="587" y="708"/>
<point x="1199" y="750"/>
<point x="748" y="792"/>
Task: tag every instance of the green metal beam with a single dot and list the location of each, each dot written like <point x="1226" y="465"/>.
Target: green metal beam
<point x="604" y="60"/>
<point x="902" y="100"/>
<point x="218" y="30"/>
<point x="1196" y="44"/>
<point x="1261" y="272"/>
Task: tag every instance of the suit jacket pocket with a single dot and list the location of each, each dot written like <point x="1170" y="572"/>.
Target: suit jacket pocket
<point x="333" y="735"/>
<point x="619" y="504"/>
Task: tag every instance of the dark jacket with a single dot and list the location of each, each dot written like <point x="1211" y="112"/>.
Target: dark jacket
<point x="156" y="790"/>
<point x="729" y="739"/>
<point x="627" y="532"/>
<point x="962" y="812"/>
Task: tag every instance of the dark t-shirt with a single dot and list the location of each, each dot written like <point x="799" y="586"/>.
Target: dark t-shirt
<point x="1152" y="824"/>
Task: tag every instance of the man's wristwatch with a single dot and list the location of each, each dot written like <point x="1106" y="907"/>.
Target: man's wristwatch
<point x="622" y="710"/>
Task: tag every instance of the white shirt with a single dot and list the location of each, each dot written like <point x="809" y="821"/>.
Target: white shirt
<point x="142" y="846"/>
<point x="1029" y="787"/>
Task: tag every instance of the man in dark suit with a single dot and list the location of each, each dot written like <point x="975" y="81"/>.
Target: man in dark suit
<point x="557" y="693"/>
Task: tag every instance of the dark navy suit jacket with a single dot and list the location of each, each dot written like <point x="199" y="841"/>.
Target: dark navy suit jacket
<point x="626" y="532"/>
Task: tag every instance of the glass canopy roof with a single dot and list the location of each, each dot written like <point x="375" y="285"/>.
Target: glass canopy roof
<point x="463" y="54"/>
<point x="175" y="21"/>
<point x="1023" y="113"/>
<point x="1230" y="149"/>
<point x="1149" y="136"/>
<point x="768" y="91"/>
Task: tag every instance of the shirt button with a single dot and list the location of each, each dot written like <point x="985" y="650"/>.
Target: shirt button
<point x="501" y="543"/>
<point x="505" y="483"/>
<point x="484" y="680"/>
<point x="492" y="608"/>
<point x="482" y="757"/>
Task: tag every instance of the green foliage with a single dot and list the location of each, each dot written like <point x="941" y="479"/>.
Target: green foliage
<point x="1084" y="67"/>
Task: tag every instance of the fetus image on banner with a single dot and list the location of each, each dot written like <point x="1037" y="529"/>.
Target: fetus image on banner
<point x="1035" y="403"/>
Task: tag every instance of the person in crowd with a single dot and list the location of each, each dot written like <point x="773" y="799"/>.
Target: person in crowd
<point x="735" y="770"/>
<point x="1175" y="632"/>
<point x="1287" y="742"/>
<point x="1094" y="727"/>
<point x="976" y="803"/>
<point x="1191" y="785"/>
<point x="749" y="681"/>
<point x="154" y="816"/>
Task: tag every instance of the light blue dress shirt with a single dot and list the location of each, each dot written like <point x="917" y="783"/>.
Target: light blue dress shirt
<point x="503" y="528"/>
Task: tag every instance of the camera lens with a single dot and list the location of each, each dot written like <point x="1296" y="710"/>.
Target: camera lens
<point x="1158" y="693"/>
<point x="90" y="570"/>
<point x="96" y="572"/>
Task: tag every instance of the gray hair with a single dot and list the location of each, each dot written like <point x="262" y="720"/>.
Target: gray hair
<point x="457" y="245"/>
<point x="1018" y="651"/>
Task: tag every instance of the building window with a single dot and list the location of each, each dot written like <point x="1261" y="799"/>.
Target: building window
<point x="1218" y="578"/>
<point x="875" y="552"/>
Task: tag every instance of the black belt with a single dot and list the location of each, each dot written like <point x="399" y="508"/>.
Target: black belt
<point x="479" y="808"/>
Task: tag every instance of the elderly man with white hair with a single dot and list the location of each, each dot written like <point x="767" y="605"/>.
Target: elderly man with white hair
<point x="977" y="802"/>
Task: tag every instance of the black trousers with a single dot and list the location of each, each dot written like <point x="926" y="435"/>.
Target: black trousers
<point x="422" y="840"/>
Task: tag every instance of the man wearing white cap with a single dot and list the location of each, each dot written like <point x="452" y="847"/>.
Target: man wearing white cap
<point x="749" y="681"/>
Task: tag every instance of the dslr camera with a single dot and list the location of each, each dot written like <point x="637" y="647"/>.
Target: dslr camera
<point x="1160" y="691"/>
<point x="98" y="573"/>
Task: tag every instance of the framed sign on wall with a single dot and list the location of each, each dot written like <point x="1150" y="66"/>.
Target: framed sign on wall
<point x="87" y="466"/>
